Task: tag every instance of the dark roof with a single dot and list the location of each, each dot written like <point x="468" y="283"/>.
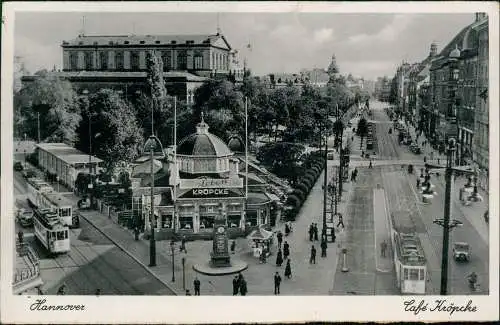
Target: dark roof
<point x="203" y="143"/>
<point x="235" y="144"/>
<point x="104" y="40"/>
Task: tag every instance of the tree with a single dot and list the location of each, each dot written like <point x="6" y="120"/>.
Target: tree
<point x="362" y="129"/>
<point x="283" y="158"/>
<point x="115" y="131"/>
<point x="56" y="102"/>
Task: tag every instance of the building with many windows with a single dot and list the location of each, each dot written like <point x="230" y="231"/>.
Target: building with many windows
<point x="119" y="62"/>
<point x="481" y="122"/>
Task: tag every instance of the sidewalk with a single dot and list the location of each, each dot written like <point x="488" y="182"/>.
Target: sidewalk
<point x="259" y="276"/>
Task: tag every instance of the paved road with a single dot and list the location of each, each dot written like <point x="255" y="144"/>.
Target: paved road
<point x="93" y="262"/>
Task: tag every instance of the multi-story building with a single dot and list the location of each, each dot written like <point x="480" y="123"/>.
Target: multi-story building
<point x="453" y="93"/>
<point x="119" y="62"/>
<point x="481" y="122"/>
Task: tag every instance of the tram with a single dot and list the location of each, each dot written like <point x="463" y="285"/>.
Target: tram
<point x="49" y="230"/>
<point x="409" y="260"/>
<point x="35" y="187"/>
<point x="61" y="205"/>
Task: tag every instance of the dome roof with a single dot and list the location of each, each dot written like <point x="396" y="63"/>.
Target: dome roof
<point x="203" y="143"/>
<point x="235" y="144"/>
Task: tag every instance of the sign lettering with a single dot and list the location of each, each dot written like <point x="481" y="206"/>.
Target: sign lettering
<point x="210" y="192"/>
<point x="211" y="183"/>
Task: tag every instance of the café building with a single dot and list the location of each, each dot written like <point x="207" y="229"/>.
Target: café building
<point x="205" y="180"/>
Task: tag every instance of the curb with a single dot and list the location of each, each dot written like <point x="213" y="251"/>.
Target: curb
<point x="174" y="291"/>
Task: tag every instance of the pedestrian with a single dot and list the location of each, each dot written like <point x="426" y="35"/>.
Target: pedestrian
<point x="341" y="221"/>
<point x="362" y="154"/>
<point x="280" y="238"/>
<point x="263" y="256"/>
<point x="236" y="285"/>
<point x="311" y="232"/>
<point x="323" y="247"/>
<point x="432" y="155"/>
<point x="233" y="246"/>
<point x="352" y="176"/>
<point x="439" y="161"/>
<point x="287" y="229"/>
<point x="183" y="244"/>
<point x="425" y="159"/>
<point x="286" y="250"/>
<point x="288" y="269"/>
<point x="197" y="285"/>
<point x="418" y="183"/>
<point x="188" y="293"/>
<point x="277" y="282"/>
<point x="312" y="258"/>
<point x="20" y="236"/>
<point x="243" y="287"/>
<point x="62" y="290"/>
<point x="98" y="292"/>
<point x="355" y="174"/>
<point x="370" y="166"/>
<point x="279" y="258"/>
<point x="315" y="231"/>
<point x="383" y="248"/>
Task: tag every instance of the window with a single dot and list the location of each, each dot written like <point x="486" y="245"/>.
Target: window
<point x="126" y="42"/>
<point x="198" y="62"/>
<point x="60" y="235"/>
<point x="134" y="60"/>
<point x="251" y="219"/>
<point x="73" y="61"/>
<point x="414" y="274"/>
<point x="405" y="274"/>
<point x="165" y="59"/>
<point x="206" y="222"/>
<point x="88" y="61"/>
<point x="214" y="66"/>
<point x="166" y="221"/>
<point x="233" y="220"/>
<point x="119" y="60"/>
<point x="182" y="60"/>
<point x="186" y="223"/>
<point x="103" y="58"/>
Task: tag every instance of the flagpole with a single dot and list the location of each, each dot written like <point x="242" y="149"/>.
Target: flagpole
<point x="174" y="219"/>
<point x="246" y="156"/>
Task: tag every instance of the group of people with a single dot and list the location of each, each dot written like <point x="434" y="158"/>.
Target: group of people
<point x="313" y="231"/>
<point x="354" y="175"/>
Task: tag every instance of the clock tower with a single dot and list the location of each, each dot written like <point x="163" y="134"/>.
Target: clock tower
<point x="220" y="254"/>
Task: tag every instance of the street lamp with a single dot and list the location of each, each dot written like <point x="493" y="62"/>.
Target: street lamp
<point x="447" y="223"/>
<point x="183" y="271"/>
<point x="172" y="248"/>
<point x="153" y="145"/>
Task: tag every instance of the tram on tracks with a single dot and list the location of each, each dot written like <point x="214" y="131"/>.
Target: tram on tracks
<point x="50" y="231"/>
<point x="409" y="260"/>
<point x="35" y="187"/>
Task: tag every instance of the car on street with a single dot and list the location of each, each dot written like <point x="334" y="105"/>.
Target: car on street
<point x="29" y="173"/>
<point x="461" y="251"/>
<point x="18" y="166"/>
<point x="25" y="217"/>
<point x="415" y="149"/>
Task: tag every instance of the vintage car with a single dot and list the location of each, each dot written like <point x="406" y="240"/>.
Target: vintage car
<point x="18" y="166"/>
<point x="461" y="251"/>
<point x="25" y="218"/>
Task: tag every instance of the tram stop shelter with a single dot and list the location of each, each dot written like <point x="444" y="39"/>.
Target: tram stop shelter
<point x="261" y="240"/>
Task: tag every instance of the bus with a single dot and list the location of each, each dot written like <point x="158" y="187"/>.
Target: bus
<point x="49" y="230"/>
<point x="409" y="260"/>
<point x="35" y="187"/>
<point x="59" y="204"/>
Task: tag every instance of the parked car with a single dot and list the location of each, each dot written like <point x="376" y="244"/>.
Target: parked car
<point x="415" y="149"/>
<point x="461" y="251"/>
<point x="25" y="217"/>
<point x="29" y="173"/>
<point x="18" y="166"/>
<point x="83" y="204"/>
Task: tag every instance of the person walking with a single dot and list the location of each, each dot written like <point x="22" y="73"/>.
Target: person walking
<point x="370" y="166"/>
<point x="288" y="270"/>
<point x="312" y="258"/>
<point x="277" y="283"/>
<point x="311" y="232"/>
<point x="286" y="250"/>
<point x="323" y="247"/>
<point x="315" y="231"/>
<point x="280" y="238"/>
<point x="279" y="258"/>
<point x="233" y="246"/>
<point x="383" y="248"/>
<point x="62" y="290"/>
<point x="183" y="244"/>
<point x="341" y="221"/>
<point x="236" y="285"/>
<point x="197" y="285"/>
<point x="243" y="286"/>
<point x="98" y="292"/>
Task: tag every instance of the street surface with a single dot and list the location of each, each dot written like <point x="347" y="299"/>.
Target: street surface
<point x="94" y="262"/>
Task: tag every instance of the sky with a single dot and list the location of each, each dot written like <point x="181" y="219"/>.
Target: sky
<point x="367" y="45"/>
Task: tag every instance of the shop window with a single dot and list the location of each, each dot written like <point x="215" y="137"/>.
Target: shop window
<point x="206" y="222"/>
<point x="186" y="223"/>
<point x="166" y="221"/>
<point x="233" y="220"/>
<point x="251" y="219"/>
<point x="405" y="274"/>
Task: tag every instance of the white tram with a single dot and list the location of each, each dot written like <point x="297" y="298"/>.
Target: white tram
<point x="35" y="187"/>
<point x="51" y="232"/>
<point x="409" y="259"/>
<point x="59" y="204"/>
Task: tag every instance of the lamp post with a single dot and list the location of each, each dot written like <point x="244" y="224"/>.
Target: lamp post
<point x="183" y="271"/>
<point x="172" y="248"/>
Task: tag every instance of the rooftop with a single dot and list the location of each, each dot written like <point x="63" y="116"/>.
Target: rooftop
<point x="119" y="74"/>
<point x="66" y="153"/>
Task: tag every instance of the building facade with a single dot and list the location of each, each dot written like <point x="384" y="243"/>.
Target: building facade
<point x="481" y="122"/>
<point x="119" y="62"/>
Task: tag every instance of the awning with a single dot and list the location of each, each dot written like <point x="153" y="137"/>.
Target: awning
<point x="273" y="197"/>
<point x="260" y="234"/>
